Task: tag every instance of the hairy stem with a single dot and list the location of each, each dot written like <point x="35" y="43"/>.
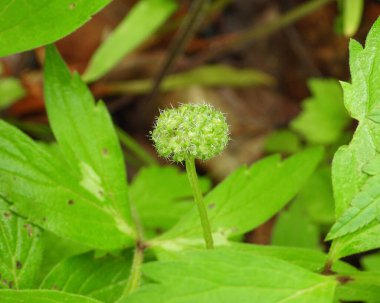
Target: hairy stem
<point x="138" y="256"/>
<point x="135" y="275"/>
<point x="198" y="197"/>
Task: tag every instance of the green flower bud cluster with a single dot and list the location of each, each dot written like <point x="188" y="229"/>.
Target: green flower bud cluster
<point x="190" y="131"/>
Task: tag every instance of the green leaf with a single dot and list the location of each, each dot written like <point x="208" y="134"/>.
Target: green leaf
<point x="294" y="228"/>
<point x="20" y="250"/>
<point x="49" y="194"/>
<point x="371" y="262"/>
<point x="363" y="239"/>
<point x="142" y="21"/>
<point x="206" y="277"/>
<point x="58" y="250"/>
<point x="363" y="210"/>
<point x="86" y="136"/>
<point x="309" y="259"/>
<point x="169" y="196"/>
<point x="208" y="75"/>
<point x="100" y="278"/>
<point x="282" y="141"/>
<point x="352" y="13"/>
<point x="39" y="22"/>
<point x="359" y="287"/>
<point x="42" y="296"/>
<point x="245" y="199"/>
<point x="324" y="117"/>
<point x="217" y="75"/>
<point x="84" y="196"/>
<point x="355" y="167"/>
<point x="11" y="90"/>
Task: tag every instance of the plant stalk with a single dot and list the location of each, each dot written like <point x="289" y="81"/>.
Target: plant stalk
<point x="135" y="276"/>
<point x="331" y="256"/>
<point x="198" y="197"/>
<point x="138" y="257"/>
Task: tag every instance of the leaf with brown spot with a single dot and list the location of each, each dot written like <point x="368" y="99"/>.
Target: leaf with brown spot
<point x="18" y="241"/>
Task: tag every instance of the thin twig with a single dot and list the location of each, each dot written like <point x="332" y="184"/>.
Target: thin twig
<point x="184" y="35"/>
<point x="298" y="46"/>
<point x="236" y="41"/>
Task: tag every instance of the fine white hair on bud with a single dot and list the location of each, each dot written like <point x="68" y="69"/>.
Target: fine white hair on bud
<point x="196" y="131"/>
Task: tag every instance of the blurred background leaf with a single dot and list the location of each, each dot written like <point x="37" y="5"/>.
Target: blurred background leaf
<point x="324" y="116"/>
<point x="282" y="141"/>
<point x="207" y="75"/>
<point x="351" y="14"/>
<point x="294" y="228"/>
<point x="142" y="21"/>
<point x="11" y="90"/>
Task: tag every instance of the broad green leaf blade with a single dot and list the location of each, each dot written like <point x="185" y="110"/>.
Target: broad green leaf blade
<point x="294" y="228"/>
<point x="246" y="199"/>
<point x="11" y="90"/>
<point x="324" y="117"/>
<point x="44" y="190"/>
<point x="226" y="275"/>
<point x="39" y="22"/>
<point x="142" y="21"/>
<point x="20" y="250"/>
<point x="169" y="196"/>
<point x="363" y="239"/>
<point x="42" y="296"/>
<point x="359" y="287"/>
<point x="58" y="250"/>
<point x="356" y="167"/>
<point x="100" y="278"/>
<point x="309" y="259"/>
<point x="364" y="209"/>
<point x="86" y="136"/>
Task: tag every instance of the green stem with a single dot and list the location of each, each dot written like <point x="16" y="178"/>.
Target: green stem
<point x="331" y="256"/>
<point x="135" y="275"/>
<point x="138" y="256"/>
<point x="198" y="197"/>
<point x="134" y="147"/>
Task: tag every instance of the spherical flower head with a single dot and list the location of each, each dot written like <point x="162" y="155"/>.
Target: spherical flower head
<point x="190" y="131"/>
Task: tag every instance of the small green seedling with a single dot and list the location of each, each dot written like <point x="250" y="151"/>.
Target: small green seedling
<point x="192" y="131"/>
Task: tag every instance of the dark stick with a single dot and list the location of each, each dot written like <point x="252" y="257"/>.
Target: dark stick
<point x="182" y="38"/>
